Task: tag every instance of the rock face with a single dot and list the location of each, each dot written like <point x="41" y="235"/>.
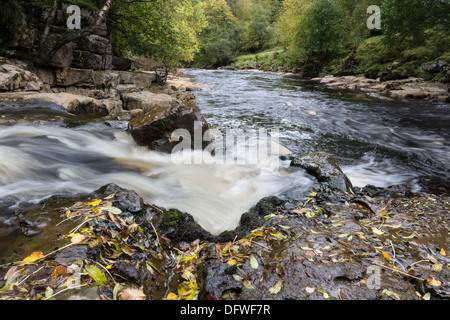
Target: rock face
<point x="154" y="125"/>
<point x="324" y="167"/>
<point x="22" y="24"/>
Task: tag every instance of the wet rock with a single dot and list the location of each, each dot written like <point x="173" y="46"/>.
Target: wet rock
<point x="76" y="104"/>
<point x="129" y="271"/>
<point x="84" y="293"/>
<point x="181" y="226"/>
<point x="72" y="254"/>
<point x="324" y="167"/>
<point x="154" y="127"/>
<point x="124" y="199"/>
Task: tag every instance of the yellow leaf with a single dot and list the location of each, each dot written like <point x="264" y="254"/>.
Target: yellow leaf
<point x="426" y="296"/>
<point x="94" y="203"/>
<point x="33" y="257"/>
<point x="187" y="258"/>
<point x="377" y="231"/>
<point x="172" y="296"/>
<point x="442" y="252"/>
<point x="232" y="262"/>
<point x="433" y="282"/>
<point x="313" y="194"/>
<point x="276" y="288"/>
<point x="386" y="256"/>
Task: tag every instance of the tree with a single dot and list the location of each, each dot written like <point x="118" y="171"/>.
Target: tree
<point x="165" y="29"/>
<point x="317" y="35"/>
<point x="257" y="29"/>
<point x="408" y="19"/>
<point x="218" y="40"/>
<point x="290" y="14"/>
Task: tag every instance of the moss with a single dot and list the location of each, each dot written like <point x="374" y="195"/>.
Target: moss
<point x="170" y="219"/>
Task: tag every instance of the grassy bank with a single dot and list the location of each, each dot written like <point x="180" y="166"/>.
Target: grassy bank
<point x="372" y="59"/>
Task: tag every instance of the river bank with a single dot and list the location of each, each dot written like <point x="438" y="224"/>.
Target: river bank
<point x="408" y="89"/>
<point x="328" y="240"/>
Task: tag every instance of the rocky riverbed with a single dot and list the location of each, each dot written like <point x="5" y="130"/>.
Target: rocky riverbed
<point x="410" y="88"/>
<point x="334" y="241"/>
<point x="365" y="243"/>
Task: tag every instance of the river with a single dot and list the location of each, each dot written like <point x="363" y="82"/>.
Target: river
<point x="376" y="140"/>
<point x="44" y="151"/>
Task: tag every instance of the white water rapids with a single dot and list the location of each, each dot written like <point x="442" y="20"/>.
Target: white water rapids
<point x="37" y="161"/>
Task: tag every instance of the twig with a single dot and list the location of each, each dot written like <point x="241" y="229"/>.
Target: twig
<point x="396" y="270"/>
<point x="29" y="275"/>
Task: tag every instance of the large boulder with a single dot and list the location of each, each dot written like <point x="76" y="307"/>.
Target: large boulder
<point x="324" y="167"/>
<point x="154" y="125"/>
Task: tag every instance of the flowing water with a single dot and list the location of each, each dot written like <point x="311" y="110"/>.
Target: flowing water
<point x="44" y="151"/>
<point x="378" y="141"/>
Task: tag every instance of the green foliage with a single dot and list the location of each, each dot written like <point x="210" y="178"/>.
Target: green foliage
<point x="405" y="21"/>
<point x="317" y="34"/>
<point x="235" y="27"/>
<point x="219" y="38"/>
<point x="164" y="29"/>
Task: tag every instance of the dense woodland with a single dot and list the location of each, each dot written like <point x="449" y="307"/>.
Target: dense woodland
<point x="311" y="36"/>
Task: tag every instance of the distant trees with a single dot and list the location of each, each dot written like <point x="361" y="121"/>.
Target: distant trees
<point x="407" y="20"/>
<point x="317" y="34"/>
<point x="314" y="33"/>
<point x="235" y="26"/>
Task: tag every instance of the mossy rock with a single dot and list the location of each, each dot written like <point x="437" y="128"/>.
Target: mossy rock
<point x="181" y="226"/>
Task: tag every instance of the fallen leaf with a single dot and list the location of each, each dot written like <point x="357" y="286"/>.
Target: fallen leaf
<point x="78" y="238"/>
<point x="390" y="294"/>
<point x="253" y="262"/>
<point x="33" y="257"/>
<point x="437" y="267"/>
<point x="386" y="256"/>
<point x="310" y="289"/>
<point x="60" y="271"/>
<point x="48" y="292"/>
<point x="10" y="272"/>
<point x="433" y="282"/>
<point x="115" y="210"/>
<point x="276" y="288"/>
<point x="426" y="296"/>
<point x="324" y="293"/>
<point x="172" y="296"/>
<point x="133" y="294"/>
<point x="94" y="203"/>
<point x="232" y="262"/>
<point x="310" y="253"/>
<point x="248" y="284"/>
<point x="377" y="231"/>
<point x="96" y="274"/>
<point x="442" y="252"/>
<point x="237" y="277"/>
